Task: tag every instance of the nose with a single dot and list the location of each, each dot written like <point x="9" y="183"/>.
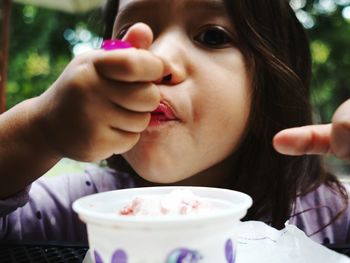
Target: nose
<point x="168" y="47"/>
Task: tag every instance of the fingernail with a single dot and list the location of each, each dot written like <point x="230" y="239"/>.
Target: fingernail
<point x="111" y="44"/>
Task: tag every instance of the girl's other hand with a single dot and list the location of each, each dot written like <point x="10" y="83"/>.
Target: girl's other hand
<point x="331" y="138"/>
<point x="103" y="99"/>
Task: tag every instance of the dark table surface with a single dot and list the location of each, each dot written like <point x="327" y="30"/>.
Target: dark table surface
<point x="58" y="252"/>
<point x="48" y="252"/>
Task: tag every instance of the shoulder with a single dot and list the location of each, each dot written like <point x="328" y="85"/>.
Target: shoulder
<point x="323" y="215"/>
<point x="106" y="179"/>
<point x="48" y="214"/>
<point x="92" y="179"/>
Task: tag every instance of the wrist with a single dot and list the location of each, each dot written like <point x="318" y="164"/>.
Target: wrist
<point x="24" y="152"/>
<point x="34" y="132"/>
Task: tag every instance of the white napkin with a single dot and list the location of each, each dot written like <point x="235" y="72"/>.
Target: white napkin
<point x="258" y="242"/>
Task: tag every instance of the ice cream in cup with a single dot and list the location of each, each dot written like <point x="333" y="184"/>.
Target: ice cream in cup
<point x="163" y="224"/>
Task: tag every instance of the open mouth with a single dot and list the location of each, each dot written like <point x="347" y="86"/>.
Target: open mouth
<point x="162" y="115"/>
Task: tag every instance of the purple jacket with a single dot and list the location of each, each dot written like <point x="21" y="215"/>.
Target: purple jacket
<point x="44" y="210"/>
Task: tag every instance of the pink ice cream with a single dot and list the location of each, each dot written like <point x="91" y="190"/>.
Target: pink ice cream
<point x="177" y="202"/>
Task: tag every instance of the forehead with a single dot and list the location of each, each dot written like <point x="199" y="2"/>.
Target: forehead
<point x="137" y="5"/>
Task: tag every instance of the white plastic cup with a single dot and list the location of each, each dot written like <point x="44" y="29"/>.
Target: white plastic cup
<point x="202" y="238"/>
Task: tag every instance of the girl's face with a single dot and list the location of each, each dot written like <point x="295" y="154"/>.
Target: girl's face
<point x="209" y="90"/>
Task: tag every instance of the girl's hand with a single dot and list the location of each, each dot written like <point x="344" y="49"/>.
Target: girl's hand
<point x="103" y="99"/>
<point x="331" y="138"/>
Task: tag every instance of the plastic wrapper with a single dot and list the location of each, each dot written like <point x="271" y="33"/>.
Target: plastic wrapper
<point x="258" y="242"/>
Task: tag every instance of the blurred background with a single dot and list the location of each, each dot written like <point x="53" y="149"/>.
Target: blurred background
<point x="45" y="35"/>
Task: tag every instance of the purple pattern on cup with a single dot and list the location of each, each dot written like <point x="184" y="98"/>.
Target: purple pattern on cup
<point x="119" y="256"/>
<point x="182" y="255"/>
<point x="229" y="251"/>
<point x="112" y="44"/>
<point x="97" y="256"/>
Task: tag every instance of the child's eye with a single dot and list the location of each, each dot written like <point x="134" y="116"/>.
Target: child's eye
<point x="214" y="37"/>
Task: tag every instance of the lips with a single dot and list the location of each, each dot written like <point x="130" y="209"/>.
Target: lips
<point x="162" y="114"/>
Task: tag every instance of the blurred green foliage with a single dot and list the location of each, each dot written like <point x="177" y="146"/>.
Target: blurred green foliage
<point x="41" y="47"/>
<point x="330" y="46"/>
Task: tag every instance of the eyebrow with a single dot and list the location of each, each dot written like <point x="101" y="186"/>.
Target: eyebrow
<point x="134" y="6"/>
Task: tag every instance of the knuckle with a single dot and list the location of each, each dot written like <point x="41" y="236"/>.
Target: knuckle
<point x="81" y="79"/>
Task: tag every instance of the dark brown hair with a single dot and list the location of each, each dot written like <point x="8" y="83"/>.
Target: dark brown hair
<point x="276" y="46"/>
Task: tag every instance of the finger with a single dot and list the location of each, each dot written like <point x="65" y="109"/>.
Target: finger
<point x="103" y="112"/>
<point x="340" y="139"/>
<point x="130" y="65"/>
<point x="133" y="96"/>
<point x="313" y="139"/>
<point x="139" y="36"/>
<point x="123" y="141"/>
<point x="127" y="121"/>
<point x="111" y="141"/>
<point x="138" y="97"/>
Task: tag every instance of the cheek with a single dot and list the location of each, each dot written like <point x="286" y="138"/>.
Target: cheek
<point x="225" y="85"/>
<point x="221" y="110"/>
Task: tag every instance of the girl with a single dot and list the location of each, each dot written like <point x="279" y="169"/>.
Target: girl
<point x="197" y="101"/>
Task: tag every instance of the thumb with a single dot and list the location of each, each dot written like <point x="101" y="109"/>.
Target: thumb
<point x="139" y="35"/>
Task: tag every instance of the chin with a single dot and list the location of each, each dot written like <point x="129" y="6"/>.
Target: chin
<point x="154" y="165"/>
<point x="158" y="171"/>
<point x="159" y="175"/>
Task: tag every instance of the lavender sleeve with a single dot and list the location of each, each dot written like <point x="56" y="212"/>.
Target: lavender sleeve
<point x="43" y="211"/>
<point x="315" y="211"/>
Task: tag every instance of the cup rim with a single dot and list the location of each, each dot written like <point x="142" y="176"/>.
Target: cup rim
<point x="82" y="207"/>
